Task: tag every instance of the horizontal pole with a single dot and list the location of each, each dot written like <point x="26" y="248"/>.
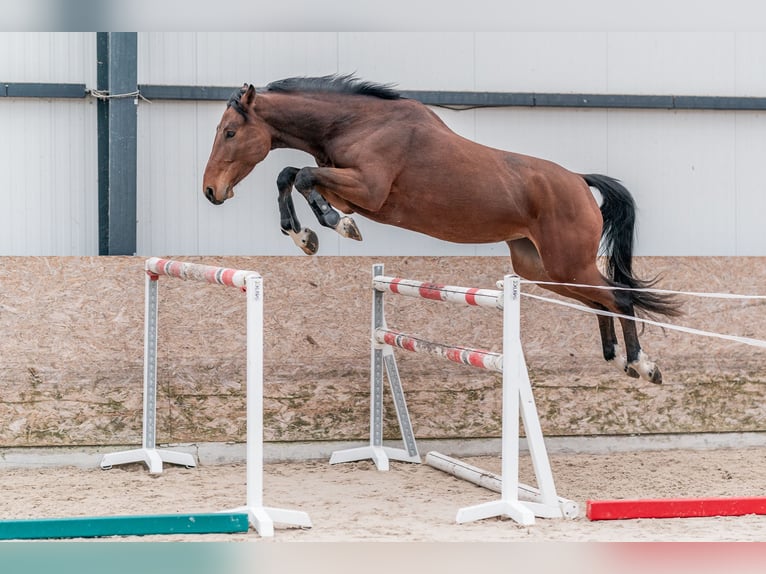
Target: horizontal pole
<point x="191" y="93"/>
<point x="463" y="355"/>
<point x="99" y="526"/>
<point x="492" y="481"/>
<point x="674" y="508"/>
<point x="42" y="90"/>
<point x="470" y="99"/>
<point x="198" y="272"/>
<point x="436" y="292"/>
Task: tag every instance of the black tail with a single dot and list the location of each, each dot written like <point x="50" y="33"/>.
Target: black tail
<point x="618" y="211"/>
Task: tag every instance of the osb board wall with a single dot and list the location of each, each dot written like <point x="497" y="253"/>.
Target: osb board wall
<point x="72" y="353"/>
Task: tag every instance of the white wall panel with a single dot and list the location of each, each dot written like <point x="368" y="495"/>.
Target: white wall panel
<point x="230" y="59"/>
<point x="48" y="168"/>
<point x="66" y="57"/>
<point x="750" y="185"/>
<point x="680" y="167"/>
<point x="48" y="177"/>
<point x="750" y="65"/>
<point x="261" y="58"/>
<point x="428" y="61"/>
<point x="677" y="63"/>
<point x="541" y="62"/>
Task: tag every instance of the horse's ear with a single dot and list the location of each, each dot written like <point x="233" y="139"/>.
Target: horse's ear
<point x="248" y="95"/>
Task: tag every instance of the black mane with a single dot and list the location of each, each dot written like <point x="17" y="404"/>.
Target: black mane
<point x="340" y="84"/>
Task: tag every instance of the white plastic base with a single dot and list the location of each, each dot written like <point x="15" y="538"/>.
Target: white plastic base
<point x="263" y="518"/>
<point x="380" y="455"/>
<point x="152" y="457"/>
<point x="557" y="507"/>
<point x="513" y="509"/>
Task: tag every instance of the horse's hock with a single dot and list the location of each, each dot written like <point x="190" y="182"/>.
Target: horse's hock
<point x="73" y="354"/>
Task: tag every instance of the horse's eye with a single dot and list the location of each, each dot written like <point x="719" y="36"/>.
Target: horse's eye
<point x="229" y="134"/>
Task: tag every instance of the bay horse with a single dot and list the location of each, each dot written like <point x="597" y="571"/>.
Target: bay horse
<point x="394" y="161"/>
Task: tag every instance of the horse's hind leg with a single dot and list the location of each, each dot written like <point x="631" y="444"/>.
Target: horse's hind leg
<point x="611" y="346"/>
<point x="303" y="237"/>
<point x="527" y="263"/>
<point x="638" y="361"/>
<point x="619" y="302"/>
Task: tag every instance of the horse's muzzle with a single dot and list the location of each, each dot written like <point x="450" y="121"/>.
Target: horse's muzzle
<point x="210" y="194"/>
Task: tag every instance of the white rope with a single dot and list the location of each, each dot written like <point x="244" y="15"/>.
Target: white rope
<point x="650" y="290"/>
<point x="105" y="95"/>
<point x="735" y="338"/>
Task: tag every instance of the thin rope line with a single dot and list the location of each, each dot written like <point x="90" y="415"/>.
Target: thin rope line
<point x="105" y="95"/>
<point x="735" y="338"/>
<point x="649" y="290"/>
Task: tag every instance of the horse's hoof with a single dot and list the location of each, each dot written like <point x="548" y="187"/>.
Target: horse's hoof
<point x="347" y="228"/>
<point x="655" y="376"/>
<point x="306" y="239"/>
<point x="646" y="368"/>
<point x="309" y="242"/>
<point x="632" y="373"/>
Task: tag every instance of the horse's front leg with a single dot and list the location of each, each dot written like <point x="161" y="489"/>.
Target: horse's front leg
<point x="329" y="217"/>
<point x="324" y="212"/>
<point x="303" y="237"/>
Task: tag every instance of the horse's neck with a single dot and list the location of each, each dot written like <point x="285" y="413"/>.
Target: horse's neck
<point x="297" y="122"/>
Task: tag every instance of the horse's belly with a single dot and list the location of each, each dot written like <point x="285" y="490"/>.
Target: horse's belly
<point x="465" y="228"/>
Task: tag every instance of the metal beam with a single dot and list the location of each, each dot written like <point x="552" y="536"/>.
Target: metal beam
<point x="42" y="90"/>
<point x="503" y="99"/>
<point x="429" y="97"/>
<point x="199" y="93"/>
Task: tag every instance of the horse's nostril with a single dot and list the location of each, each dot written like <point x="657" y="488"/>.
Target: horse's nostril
<point x="209" y="193"/>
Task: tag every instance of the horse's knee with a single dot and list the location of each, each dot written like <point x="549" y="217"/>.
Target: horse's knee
<point x="286" y="178"/>
<point x="304" y="180"/>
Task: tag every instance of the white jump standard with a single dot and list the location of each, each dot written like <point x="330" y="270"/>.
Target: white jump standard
<point x="517" y="397"/>
<point x="382" y="355"/>
<point x="262" y="518"/>
<point x="149" y="453"/>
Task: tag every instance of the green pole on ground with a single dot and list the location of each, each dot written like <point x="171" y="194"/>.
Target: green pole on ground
<point x="140" y="525"/>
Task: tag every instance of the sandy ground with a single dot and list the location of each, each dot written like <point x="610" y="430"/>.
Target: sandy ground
<point x="354" y="502"/>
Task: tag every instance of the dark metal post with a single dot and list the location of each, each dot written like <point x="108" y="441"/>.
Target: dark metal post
<point x="117" y="54"/>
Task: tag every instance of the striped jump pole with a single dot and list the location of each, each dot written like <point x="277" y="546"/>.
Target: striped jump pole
<point x="518" y="399"/>
<point x="462" y="355"/>
<point x="448" y="293"/>
<point x="251" y="283"/>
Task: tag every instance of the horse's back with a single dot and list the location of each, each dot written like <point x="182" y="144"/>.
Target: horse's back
<point x="451" y="187"/>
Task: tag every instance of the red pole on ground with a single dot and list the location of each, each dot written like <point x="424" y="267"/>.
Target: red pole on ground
<point x="674" y="508"/>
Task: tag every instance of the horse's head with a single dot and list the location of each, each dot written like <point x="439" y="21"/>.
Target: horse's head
<point x="242" y="140"/>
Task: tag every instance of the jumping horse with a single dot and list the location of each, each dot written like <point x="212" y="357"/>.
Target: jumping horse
<point x="394" y="161"/>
